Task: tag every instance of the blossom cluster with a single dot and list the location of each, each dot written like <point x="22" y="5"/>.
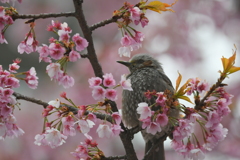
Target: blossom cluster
<point x="101" y="87"/>
<point x="87" y="150"/>
<point x="8" y="81"/>
<point x="130" y="42"/>
<point x="209" y="119"/>
<point x="66" y="124"/>
<point x="61" y="50"/>
<point x="154" y="121"/>
<point x="196" y="85"/>
<point x="5" y="21"/>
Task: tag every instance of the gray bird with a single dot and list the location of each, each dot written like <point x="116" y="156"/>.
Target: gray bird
<point x="146" y="73"/>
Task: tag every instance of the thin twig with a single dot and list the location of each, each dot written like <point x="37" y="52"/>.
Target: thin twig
<point x="43" y="15"/>
<point x="105" y="22"/>
<point x="30" y="99"/>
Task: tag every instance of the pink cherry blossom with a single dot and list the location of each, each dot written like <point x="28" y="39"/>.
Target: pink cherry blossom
<point x="213" y="119"/>
<point x="184" y="129"/>
<point x="11" y="82"/>
<point x="54" y="138"/>
<point x="111" y="94"/>
<point x="144" y="21"/>
<point x="104" y="130"/>
<point x="135" y="13"/>
<point x="31" y="78"/>
<point x="98" y="93"/>
<point x="66" y="81"/>
<point x="63" y="35"/>
<point x="139" y="36"/>
<point x="162" y="120"/>
<point x="56" y="51"/>
<point x="85" y="125"/>
<point x="68" y="120"/>
<point x="219" y="132"/>
<point x="74" y="56"/>
<point x="13" y="67"/>
<point x="53" y="70"/>
<point x="117" y="118"/>
<point x="64" y="26"/>
<point x="222" y="107"/>
<point x="55" y="103"/>
<point x="108" y="80"/>
<point x="44" y="53"/>
<point x="2" y="39"/>
<point x="144" y="110"/>
<point x="196" y="154"/>
<point x="92" y="117"/>
<point x="202" y="86"/>
<point x="161" y="99"/>
<point x="81" y="152"/>
<point x="146" y="122"/>
<point x="94" y="81"/>
<point x="127" y="40"/>
<point x="80" y="42"/>
<point x="153" y="128"/>
<point x="40" y="140"/>
<point x="6" y="111"/>
<point x="116" y="129"/>
<point x="23" y="47"/>
<point x="126" y="83"/>
<point x="69" y="130"/>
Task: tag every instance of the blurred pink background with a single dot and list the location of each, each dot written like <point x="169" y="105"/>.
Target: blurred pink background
<point x="192" y="41"/>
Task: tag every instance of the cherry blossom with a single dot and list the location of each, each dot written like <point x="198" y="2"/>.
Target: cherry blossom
<point x="85" y="125"/>
<point x="55" y="103"/>
<point x="117" y="118"/>
<point x="162" y="119"/>
<point x="126" y="83"/>
<point x="80" y="42"/>
<point x="94" y="81"/>
<point x="31" y="78"/>
<point x="108" y="80"/>
<point x="98" y="93"/>
<point x="74" y="56"/>
<point x="111" y="94"/>
<point x="66" y="81"/>
<point x="144" y="110"/>
<point x="104" y="130"/>
<point x="153" y="128"/>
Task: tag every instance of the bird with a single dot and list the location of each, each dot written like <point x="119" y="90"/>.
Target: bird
<point x="146" y="74"/>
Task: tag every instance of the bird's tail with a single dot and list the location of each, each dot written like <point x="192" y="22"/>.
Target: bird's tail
<point x="158" y="153"/>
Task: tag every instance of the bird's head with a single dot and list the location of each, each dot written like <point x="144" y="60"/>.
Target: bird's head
<point x="141" y="61"/>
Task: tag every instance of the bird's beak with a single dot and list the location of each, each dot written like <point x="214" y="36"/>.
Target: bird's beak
<point x="125" y="63"/>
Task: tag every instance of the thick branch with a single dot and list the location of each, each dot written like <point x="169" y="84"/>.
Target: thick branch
<point x="43" y="15"/>
<point x="88" y="35"/>
<point x="157" y="142"/>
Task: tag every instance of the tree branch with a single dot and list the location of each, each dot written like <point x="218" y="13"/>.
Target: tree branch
<point x="88" y="35"/>
<point x="105" y="22"/>
<point x="29" y="99"/>
<point x="43" y="15"/>
<point x="156" y="144"/>
<point x="114" y="157"/>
